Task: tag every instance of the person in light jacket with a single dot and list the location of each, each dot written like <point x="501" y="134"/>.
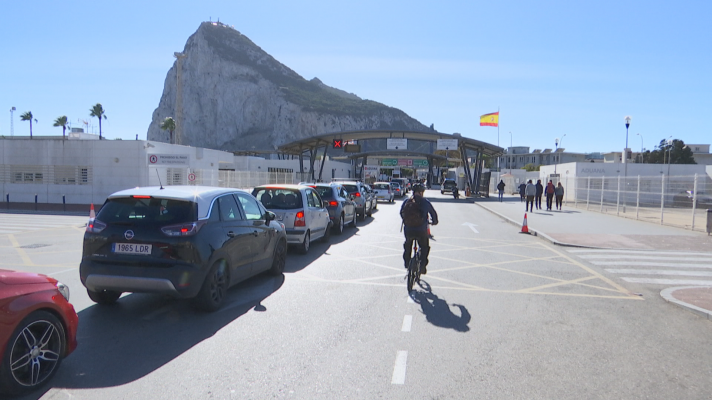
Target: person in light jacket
<point x="530" y="192"/>
<point x="559" y="196"/>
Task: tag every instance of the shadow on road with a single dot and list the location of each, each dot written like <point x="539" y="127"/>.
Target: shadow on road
<point x="127" y="341"/>
<point x="438" y="312"/>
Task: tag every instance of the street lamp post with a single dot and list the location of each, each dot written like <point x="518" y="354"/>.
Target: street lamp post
<point x="625" y="159"/>
<point x="642" y="148"/>
<point x="557" y="142"/>
<point x="12" y="121"/>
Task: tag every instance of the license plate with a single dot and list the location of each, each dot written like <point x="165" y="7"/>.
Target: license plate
<point x="130" y="248"/>
<point x="381" y="197"/>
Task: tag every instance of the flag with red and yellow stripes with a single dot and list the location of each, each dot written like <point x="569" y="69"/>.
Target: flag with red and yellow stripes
<point x="491" y="119"/>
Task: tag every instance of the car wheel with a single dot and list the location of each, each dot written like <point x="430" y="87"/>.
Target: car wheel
<point x="370" y="212"/>
<point x="339" y="228"/>
<point x="362" y="214"/>
<point x="33" y="353"/>
<point x="304" y="247"/>
<point x="353" y="220"/>
<point x="327" y="234"/>
<point x="105" y="297"/>
<point x="442" y="192"/>
<point x="212" y="293"/>
<point x="375" y="205"/>
<point x="279" y="259"/>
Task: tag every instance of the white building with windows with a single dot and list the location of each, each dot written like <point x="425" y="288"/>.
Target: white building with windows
<point x="518" y="156"/>
<point x="82" y="170"/>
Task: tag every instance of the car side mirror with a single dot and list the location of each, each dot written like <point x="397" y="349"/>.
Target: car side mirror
<point x="325" y="203"/>
<point x="270" y="216"/>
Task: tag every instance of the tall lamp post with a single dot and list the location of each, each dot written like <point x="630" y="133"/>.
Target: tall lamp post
<point x="625" y="159"/>
<point x="12" y="121"/>
<point x="510" y="156"/>
<point x="642" y="148"/>
<point x="557" y="142"/>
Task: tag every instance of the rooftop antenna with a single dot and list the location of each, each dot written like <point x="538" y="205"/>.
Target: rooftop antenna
<point x="159" y="179"/>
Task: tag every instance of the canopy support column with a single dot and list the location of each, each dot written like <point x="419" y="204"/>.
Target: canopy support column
<point x="323" y="161"/>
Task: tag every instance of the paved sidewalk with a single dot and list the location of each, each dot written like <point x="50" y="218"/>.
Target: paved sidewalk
<point x="581" y="228"/>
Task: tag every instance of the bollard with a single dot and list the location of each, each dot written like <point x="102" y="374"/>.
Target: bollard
<point x="64" y="203"/>
<point x="35" y="201"/>
<point x="709" y="222"/>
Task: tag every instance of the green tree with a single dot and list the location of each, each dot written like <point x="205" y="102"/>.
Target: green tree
<point x="670" y="152"/>
<point x="531" y="167"/>
<point x="27" y="116"/>
<point x="61" y="121"/>
<point x="98" y="111"/>
<point x="169" y="124"/>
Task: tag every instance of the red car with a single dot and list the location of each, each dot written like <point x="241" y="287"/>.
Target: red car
<point x="38" y="328"/>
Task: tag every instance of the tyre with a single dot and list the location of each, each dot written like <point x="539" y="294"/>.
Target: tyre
<point x="442" y="192"/>
<point x="375" y="205"/>
<point x="362" y="214"/>
<point x="339" y="228"/>
<point x="279" y="259"/>
<point x="327" y="234"/>
<point x="412" y="266"/>
<point x="370" y="212"/>
<point x="33" y="353"/>
<point x="212" y="293"/>
<point x="304" y="247"/>
<point x="105" y="297"/>
<point x="353" y="220"/>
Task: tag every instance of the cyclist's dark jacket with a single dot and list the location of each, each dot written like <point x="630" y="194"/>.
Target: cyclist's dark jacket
<point x="426" y="209"/>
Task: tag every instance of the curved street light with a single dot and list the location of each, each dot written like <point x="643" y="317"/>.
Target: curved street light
<point x="642" y="148"/>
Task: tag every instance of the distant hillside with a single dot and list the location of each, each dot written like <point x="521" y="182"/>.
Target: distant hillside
<point x="238" y="97"/>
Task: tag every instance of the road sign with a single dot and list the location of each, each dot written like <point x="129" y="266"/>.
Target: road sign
<point x="169" y="159"/>
<point x="191" y="177"/>
<point x="352" y="148"/>
<point x="404" y="162"/>
<point x="420" y="163"/>
<point x="337" y="143"/>
<point x="397" y="144"/>
<point x="447" y="144"/>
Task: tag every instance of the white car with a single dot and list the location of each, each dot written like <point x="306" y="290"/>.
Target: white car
<point x="300" y="209"/>
<point x="384" y="191"/>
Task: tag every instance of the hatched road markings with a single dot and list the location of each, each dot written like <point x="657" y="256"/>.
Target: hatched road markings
<point x="18" y="223"/>
<point x="684" y="264"/>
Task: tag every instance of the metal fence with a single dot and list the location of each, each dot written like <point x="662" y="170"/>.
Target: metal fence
<point x="680" y="201"/>
<point x="238" y="179"/>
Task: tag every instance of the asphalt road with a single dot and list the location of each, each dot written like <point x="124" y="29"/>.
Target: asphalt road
<point x="499" y="315"/>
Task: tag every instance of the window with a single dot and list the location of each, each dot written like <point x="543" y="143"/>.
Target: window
<point x="65" y="175"/>
<point x="228" y="208"/>
<point x="84" y="176"/>
<point x="175" y="176"/>
<point x="310" y="199"/>
<point x="250" y="207"/>
<point x="148" y="211"/>
<point x="27" y="173"/>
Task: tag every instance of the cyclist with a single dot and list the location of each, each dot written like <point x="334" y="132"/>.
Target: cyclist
<point x="418" y="232"/>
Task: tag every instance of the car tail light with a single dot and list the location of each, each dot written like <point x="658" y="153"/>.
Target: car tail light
<point x="357" y="194"/>
<point x="333" y="203"/>
<point x="299" y="219"/>
<point x="182" y="229"/>
<point x="141" y="197"/>
<point x="95" y="226"/>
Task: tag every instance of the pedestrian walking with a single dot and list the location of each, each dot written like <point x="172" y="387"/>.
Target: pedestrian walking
<point x="530" y="192"/>
<point x="559" y="196"/>
<point x="522" y="189"/>
<point x="550" y="189"/>
<point x="539" y="193"/>
<point x="500" y="187"/>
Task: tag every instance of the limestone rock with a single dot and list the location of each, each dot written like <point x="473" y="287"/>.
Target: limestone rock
<point x="236" y="97"/>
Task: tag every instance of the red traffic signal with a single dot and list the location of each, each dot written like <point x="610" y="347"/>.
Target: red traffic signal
<point x="338" y="143"/>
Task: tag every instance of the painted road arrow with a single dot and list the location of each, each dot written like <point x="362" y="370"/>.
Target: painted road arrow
<point x="472" y="226"/>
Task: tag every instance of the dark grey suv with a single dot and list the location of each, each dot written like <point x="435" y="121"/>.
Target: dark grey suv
<point x="342" y="210"/>
<point x="184" y="241"/>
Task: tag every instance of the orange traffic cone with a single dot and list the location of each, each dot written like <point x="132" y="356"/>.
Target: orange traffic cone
<point x="92" y="214"/>
<point x="525" y="227"/>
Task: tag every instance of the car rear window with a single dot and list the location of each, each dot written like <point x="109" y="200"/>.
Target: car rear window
<point x="351" y="188"/>
<point x="325" y="192"/>
<point x="129" y="210"/>
<point x="279" y="198"/>
<point x="382" y="186"/>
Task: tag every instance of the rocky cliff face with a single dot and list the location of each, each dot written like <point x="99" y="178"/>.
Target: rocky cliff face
<point x="238" y="97"/>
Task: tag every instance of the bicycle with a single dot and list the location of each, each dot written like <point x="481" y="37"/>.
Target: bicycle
<point x="413" y="275"/>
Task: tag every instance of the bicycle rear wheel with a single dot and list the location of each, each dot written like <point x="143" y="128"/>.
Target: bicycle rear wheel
<point x="412" y="273"/>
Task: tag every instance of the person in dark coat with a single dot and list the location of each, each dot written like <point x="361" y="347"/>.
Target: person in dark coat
<point x="550" y="189"/>
<point x="539" y="193"/>
<point x="522" y="188"/>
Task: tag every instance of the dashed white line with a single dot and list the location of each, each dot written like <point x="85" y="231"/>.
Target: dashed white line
<point x="651" y="264"/>
<point x="669" y="281"/>
<point x="407" y="322"/>
<point x="659" y="272"/>
<point x="399" y="368"/>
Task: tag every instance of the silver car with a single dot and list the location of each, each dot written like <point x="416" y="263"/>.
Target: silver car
<point x="360" y="195"/>
<point x="384" y="191"/>
<point x="300" y="209"/>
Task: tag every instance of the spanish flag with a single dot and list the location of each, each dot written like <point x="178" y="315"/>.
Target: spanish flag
<point x="491" y="119"/>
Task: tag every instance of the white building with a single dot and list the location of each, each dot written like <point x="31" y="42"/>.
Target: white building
<point x="79" y="170"/>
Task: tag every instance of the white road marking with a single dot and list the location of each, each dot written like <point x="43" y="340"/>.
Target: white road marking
<point x="399" y="368"/>
<point x="407" y="322"/>
<point x="689" y="282"/>
<point x="410" y="300"/>
<point x="658" y="272"/>
<point x="471" y="226"/>
<point x="650" y="264"/>
<point x="636" y="257"/>
<point x="670" y="253"/>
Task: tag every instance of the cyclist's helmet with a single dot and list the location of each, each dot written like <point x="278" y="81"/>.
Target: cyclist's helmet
<point x="418" y="188"/>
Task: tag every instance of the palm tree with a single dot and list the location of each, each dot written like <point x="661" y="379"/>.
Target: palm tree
<point x="27" y="116"/>
<point x="169" y="124"/>
<point x="61" y="121"/>
<point x="98" y="111"/>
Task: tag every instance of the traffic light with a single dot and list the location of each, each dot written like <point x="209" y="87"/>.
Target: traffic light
<point x="338" y="143"/>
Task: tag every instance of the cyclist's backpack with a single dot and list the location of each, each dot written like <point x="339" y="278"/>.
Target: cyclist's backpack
<point x="411" y="213"/>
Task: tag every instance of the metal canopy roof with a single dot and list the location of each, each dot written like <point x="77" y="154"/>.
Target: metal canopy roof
<point x="300" y="146"/>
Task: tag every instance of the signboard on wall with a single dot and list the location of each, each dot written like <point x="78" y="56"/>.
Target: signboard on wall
<point x="397" y="144"/>
<point x="405" y="162"/>
<point x="447" y="144"/>
<point x="169" y="159"/>
<point x="370" y="172"/>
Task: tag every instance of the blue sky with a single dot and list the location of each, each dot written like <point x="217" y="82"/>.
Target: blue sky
<point x="552" y="68"/>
